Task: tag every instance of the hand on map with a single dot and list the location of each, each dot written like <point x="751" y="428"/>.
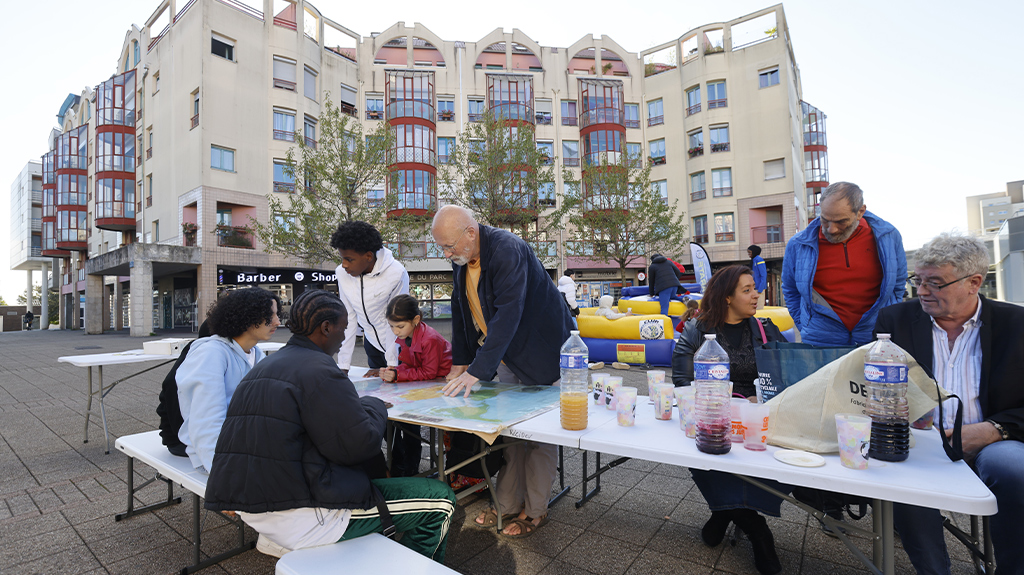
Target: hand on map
<point x="456" y="371"/>
<point x="463" y="381"/>
<point x="372" y="373"/>
<point x="389" y="374"/>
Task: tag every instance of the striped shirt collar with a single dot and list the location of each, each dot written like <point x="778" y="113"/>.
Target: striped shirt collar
<point x="958" y="370"/>
<point x="973" y="321"/>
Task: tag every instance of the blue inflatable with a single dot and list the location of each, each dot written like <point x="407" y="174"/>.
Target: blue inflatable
<point x="634" y="351"/>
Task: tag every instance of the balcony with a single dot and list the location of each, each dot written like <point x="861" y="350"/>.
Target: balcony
<point x="594" y="159"/>
<point x="286" y="135"/>
<point x="446" y="116"/>
<point x="410" y="109"/>
<point x="310" y="142"/>
<point x="712" y="104"/>
<point x="513" y="111"/>
<point x="601" y="116"/>
<point x="700" y="239"/>
<point x="195" y="121"/>
<point x="149" y="153"/>
<point x="234" y="237"/>
<point x="725" y="237"/>
<point x="476" y="117"/>
<point x="284" y="23"/>
<point x="443" y="158"/>
<point x="657" y="160"/>
<point x="723" y="147"/>
<point x="348" y="110"/>
<point x="35" y="252"/>
<point x="633" y="124"/>
<point x="406" y="154"/>
<point x="569" y="120"/>
<point x="766" y="234"/>
<point x="721" y="192"/>
<point x="375" y="114"/>
<point x="571" y="162"/>
<point x="284" y="187"/>
<point x="543" y="119"/>
<point x="696" y="151"/>
<point x="189" y="239"/>
<point x="693" y="109"/>
<point x="698" y="195"/>
<point x="655" y="121"/>
<point x="37" y="196"/>
<point x="149" y="201"/>
<point x="284" y="84"/>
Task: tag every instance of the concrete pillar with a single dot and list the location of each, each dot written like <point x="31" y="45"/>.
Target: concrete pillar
<point x="44" y="305"/>
<point x="28" y="286"/>
<point x="95" y="296"/>
<point x="142" y="298"/>
<point x="118" y="305"/>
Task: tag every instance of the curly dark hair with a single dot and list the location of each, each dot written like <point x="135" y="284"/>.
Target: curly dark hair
<point x="236" y="311"/>
<point x="722" y="284"/>
<point x="403" y="307"/>
<point x="357" y="236"/>
<point x="312" y="308"/>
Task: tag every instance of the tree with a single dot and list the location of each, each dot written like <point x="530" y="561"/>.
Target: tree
<point x="615" y="215"/>
<point x="497" y="171"/>
<point x="52" y="300"/>
<point x="330" y="181"/>
<point x="2" y="302"/>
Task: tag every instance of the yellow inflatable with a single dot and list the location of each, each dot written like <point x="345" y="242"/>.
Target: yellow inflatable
<point x="632" y="327"/>
<point x="779" y="316"/>
<point x="651" y="307"/>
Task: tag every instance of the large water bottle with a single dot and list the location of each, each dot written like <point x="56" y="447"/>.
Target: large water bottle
<point x="573" y="363"/>
<point x="885" y="374"/>
<point x="712" y="407"/>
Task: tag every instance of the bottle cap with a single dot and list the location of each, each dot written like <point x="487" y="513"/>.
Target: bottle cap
<point x="884" y="336"/>
<point x="574" y="332"/>
<point x="710" y="336"/>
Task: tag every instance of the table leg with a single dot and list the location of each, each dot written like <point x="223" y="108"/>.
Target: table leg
<point x="103" y="412"/>
<point x="884" y="544"/>
<point x="88" y="405"/>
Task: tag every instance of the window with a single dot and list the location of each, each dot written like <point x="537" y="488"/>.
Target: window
<point x="632" y="115"/>
<point x="661" y="186"/>
<point x="348" y="100"/>
<point x="655" y="113"/>
<point x="445" y="148"/>
<point x="569" y="117"/>
<point x="149" y="150"/>
<point x="547" y="152"/>
<point x="156" y="83"/>
<point x="543" y="112"/>
<point x="156" y="231"/>
<point x="697" y="189"/>
<point x="721" y="182"/>
<point x="775" y="169"/>
<point x="716" y="95"/>
<point x="546" y="194"/>
<point x="222" y="159"/>
<point x="693" y="100"/>
<point x="657" y="148"/>
<point x="136" y="57"/>
<point x="700" y="229"/>
<point x="634" y="151"/>
<point x="374" y="106"/>
<point x="719" y="138"/>
<point x="224" y="217"/>
<point x="149" y="188"/>
<point x="284" y="125"/>
<point x="695" y="143"/>
<point x="309" y="131"/>
<point x="723" y="228"/>
<point x="445" y="110"/>
<point x="768" y="78"/>
<point x="284" y="73"/>
<point x="309" y="82"/>
<point x="570" y="153"/>
<point x="375" y="198"/>
<point x="476" y="109"/>
<point x="282" y="181"/>
<point x="195" y="109"/>
<point x="221" y="46"/>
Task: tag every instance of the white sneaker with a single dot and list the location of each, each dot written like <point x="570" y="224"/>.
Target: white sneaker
<point x="267" y="547"/>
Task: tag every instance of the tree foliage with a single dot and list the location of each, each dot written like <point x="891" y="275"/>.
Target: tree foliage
<point x="332" y="179"/>
<point x="616" y="216"/>
<point x="497" y="172"/>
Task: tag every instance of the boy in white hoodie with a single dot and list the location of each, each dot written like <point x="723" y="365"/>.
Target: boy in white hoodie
<point x="368" y="278"/>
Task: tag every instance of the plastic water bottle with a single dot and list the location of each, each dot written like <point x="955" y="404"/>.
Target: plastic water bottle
<point x="712" y="410"/>
<point x="885" y="374"/>
<point x="574" y="364"/>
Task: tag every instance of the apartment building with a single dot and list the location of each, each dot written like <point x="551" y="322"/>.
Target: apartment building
<point x="26" y="229"/>
<point x="158" y="169"/>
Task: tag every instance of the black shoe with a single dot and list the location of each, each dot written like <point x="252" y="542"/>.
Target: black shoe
<point x="766" y="560"/>
<point x="714" y="530"/>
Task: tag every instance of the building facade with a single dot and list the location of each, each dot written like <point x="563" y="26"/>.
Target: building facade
<point x="27" y="231"/>
<point x="158" y="169"/>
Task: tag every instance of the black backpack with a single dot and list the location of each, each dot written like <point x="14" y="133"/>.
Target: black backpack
<point x="169" y="409"/>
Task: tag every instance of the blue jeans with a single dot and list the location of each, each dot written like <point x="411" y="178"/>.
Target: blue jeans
<point x="664" y="297"/>
<point x="1001" y="466"/>
<point x="725" y="491"/>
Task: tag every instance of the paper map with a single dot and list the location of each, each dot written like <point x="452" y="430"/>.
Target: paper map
<point x="490" y="407"/>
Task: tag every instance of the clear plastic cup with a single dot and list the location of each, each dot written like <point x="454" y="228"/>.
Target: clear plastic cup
<point x="736" y="431"/>
<point x="755" y="426"/>
<point x="625" y="406"/>
<point x="854" y="434"/>
<point x="685" y="398"/>
<point x="611" y="385"/>
<point x="654" y="377"/>
<point x="597" y="385"/>
<point x="663" y="395"/>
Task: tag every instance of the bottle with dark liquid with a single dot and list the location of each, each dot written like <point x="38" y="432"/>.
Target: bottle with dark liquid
<point x="885" y="374"/>
<point x="712" y="408"/>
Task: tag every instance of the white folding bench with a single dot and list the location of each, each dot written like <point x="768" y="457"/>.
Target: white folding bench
<point x="372" y="553"/>
<point x="147" y="448"/>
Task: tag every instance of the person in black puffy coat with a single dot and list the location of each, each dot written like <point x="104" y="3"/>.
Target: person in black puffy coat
<point x="663" y="279"/>
<point x="296" y="447"/>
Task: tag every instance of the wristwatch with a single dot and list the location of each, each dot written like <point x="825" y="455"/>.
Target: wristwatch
<point x="1002" y="430"/>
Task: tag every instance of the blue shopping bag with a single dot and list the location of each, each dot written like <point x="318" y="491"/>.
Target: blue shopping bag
<point x="781" y="364"/>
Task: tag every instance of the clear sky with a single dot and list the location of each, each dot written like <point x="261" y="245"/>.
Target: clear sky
<point x="923" y="98"/>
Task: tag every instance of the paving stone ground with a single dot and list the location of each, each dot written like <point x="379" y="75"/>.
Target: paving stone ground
<point x="58" y="496"/>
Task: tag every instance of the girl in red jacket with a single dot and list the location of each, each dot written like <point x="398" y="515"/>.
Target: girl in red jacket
<point x="424" y="353"/>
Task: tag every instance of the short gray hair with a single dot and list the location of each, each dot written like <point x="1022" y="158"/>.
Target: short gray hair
<point x="844" y="191"/>
<point x="966" y="254"/>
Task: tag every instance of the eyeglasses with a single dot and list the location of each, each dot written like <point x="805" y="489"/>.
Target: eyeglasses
<point x="931" y="285"/>
<point x="451" y="248"/>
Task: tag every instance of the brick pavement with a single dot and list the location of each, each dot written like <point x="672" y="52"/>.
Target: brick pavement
<point x="58" y="496"/>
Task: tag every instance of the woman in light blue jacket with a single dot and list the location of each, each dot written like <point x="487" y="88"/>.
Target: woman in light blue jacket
<point x="215" y="366"/>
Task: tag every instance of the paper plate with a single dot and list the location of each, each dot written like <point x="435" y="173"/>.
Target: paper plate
<point x="799" y="458"/>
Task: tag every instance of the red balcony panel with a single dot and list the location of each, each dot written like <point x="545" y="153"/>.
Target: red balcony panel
<point x="693" y="109"/>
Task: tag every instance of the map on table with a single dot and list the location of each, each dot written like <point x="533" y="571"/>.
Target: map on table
<point x="490" y="407"/>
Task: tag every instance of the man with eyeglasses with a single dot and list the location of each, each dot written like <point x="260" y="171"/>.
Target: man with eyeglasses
<point x="974" y="348"/>
<point x="841" y="269"/>
<point x="508" y="324"/>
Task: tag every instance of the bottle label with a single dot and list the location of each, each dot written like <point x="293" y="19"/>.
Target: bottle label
<point x="714" y="371"/>
<point x="573" y="361"/>
<point x="885" y="373"/>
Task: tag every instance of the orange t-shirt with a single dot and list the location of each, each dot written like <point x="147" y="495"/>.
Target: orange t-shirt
<point x="472" y="281"/>
<point x="849" y="274"/>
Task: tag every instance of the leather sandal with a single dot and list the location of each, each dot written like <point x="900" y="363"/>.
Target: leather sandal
<point x="526" y="527"/>
<point x="491" y="519"/>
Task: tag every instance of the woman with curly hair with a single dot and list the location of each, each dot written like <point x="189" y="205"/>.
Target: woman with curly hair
<point x="215" y="365"/>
